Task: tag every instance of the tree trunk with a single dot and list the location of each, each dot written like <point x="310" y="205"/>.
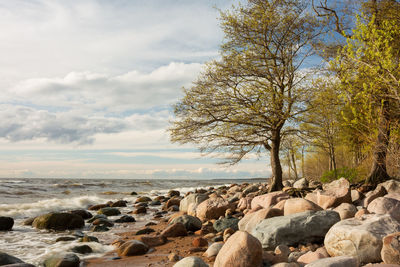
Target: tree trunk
<point x="276" y="180"/>
<point x="302" y="161"/>
<point x="378" y="172"/>
<point x="296" y="177"/>
<point x="289" y="165"/>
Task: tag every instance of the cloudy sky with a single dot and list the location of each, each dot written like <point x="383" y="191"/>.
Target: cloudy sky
<point x="87" y="87"/>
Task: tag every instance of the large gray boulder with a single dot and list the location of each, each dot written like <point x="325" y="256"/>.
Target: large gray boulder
<point x="360" y="238"/>
<point x="304" y="227"/>
<point x="191" y="201"/>
<point x="58" y="221"/>
<point x="340" y="261"/>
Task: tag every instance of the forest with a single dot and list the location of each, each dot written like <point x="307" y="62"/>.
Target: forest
<point x="315" y="85"/>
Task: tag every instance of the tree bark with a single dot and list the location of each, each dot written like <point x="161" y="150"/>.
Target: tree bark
<point x="276" y="180"/>
<point x="296" y="177"/>
<point x="378" y="171"/>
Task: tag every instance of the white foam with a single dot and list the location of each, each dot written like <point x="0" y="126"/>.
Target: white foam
<point x="23" y="210"/>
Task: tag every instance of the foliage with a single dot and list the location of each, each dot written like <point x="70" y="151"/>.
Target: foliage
<point x="350" y="174"/>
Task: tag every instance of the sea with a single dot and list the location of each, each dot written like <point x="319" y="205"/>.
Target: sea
<point x="26" y="198"/>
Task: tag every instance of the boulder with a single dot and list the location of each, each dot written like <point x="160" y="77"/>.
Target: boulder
<point x="213" y="249"/>
<point x="250" y="220"/>
<point x="119" y="203"/>
<point x="84" y="249"/>
<point x="83" y="213"/>
<point x="268" y="200"/>
<point x="310" y="257"/>
<point x="88" y="238"/>
<point x="391" y="186"/>
<point x="191" y="262"/>
<point x="340" y="261"/>
<point x="334" y="194"/>
<point x="212" y="208"/>
<point x="140" y="210"/>
<point x="286" y="264"/>
<point x="383" y="205"/>
<point x="108" y="211"/>
<point x="143" y="199"/>
<point x="304" y="227"/>
<point x="225" y="223"/>
<point x="379" y="191"/>
<point x="192" y="199"/>
<point x="58" y="221"/>
<point x="297" y="205"/>
<point x="250" y="189"/>
<point x="62" y="260"/>
<point x="173" y="193"/>
<point x="174" y="230"/>
<point x="145" y="231"/>
<point x="172" y="202"/>
<point x="19" y="265"/>
<point x="390" y="252"/>
<point x="132" y="248"/>
<point x="346" y="210"/>
<point x="97" y="216"/>
<point x="105" y="222"/>
<point x="360" y="238"/>
<point x="153" y="241"/>
<point x="6" y="223"/>
<point x="244" y="203"/>
<point x="98" y="206"/>
<point x="240" y="250"/>
<point x="191" y="223"/>
<point x="356" y="196"/>
<point x="125" y="219"/>
<point x="8" y="259"/>
<point x="301" y="184"/>
<point x="199" y="242"/>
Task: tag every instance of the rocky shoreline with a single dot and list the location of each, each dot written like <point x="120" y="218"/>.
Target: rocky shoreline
<point x="305" y="224"/>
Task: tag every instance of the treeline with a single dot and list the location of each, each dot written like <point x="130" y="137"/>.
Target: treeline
<point x="316" y="85"/>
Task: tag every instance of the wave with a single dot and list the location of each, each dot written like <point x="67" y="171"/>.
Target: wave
<point x="24" y="210"/>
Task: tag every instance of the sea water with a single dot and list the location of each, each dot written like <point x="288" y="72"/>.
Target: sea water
<point x="26" y="198"/>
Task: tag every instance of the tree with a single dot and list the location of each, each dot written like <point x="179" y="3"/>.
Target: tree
<point x="322" y="123"/>
<point x="369" y="70"/>
<point x="243" y="102"/>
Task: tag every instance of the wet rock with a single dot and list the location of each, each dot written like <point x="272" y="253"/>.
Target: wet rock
<point x="105" y="222"/>
<point x="119" y="203"/>
<point x="125" y="219"/>
<point x="8" y="259"/>
<point x="360" y="238"/>
<point x="84" y="249"/>
<point x="304" y="227"/>
<point x="155" y="203"/>
<point x="340" y="261"/>
<point x="143" y="199"/>
<point x="268" y="200"/>
<point x="65" y="238"/>
<point x="58" y="221"/>
<point x="62" y="260"/>
<point x="98" y="206"/>
<point x="225" y="223"/>
<point x="83" y="213"/>
<point x="132" y="248"/>
<point x="191" y="223"/>
<point x="297" y="205"/>
<point x="173" y="193"/>
<point x="173" y="208"/>
<point x="145" y="231"/>
<point x="174" y="230"/>
<point x="6" y="223"/>
<point x="172" y="202"/>
<point x="250" y="220"/>
<point x="241" y="249"/>
<point x="199" y="242"/>
<point x="390" y="252"/>
<point x="213" y="249"/>
<point x="88" y="238"/>
<point x="153" y="241"/>
<point x="99" y="228"/>
<point x="212" y="208"/>
<point x="140" y="210"/>
<point x="97" y="216"/>
<point x="108" y="211"/>
<point x="29" y="221"/>
<point x="191" y="262"/>
<point x="250" y="189"/>
<point x="134" y="193"/>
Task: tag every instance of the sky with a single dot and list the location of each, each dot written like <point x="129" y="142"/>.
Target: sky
<point x="87" y="88"/>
